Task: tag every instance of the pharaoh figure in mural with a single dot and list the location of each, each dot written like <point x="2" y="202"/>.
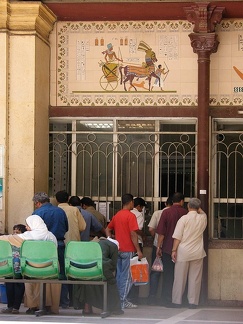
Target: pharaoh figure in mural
<point x="109" y="68"/>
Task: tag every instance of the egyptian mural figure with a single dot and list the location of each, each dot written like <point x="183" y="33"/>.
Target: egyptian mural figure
<point x="144" y="64"/>
<point x="129" y="72"/>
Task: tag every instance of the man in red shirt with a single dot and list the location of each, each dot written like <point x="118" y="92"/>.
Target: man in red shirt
<point x="124" y="225"/>
<point x="165" y="231"/>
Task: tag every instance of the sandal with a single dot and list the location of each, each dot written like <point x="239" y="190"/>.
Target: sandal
<point x="7" y="310"/>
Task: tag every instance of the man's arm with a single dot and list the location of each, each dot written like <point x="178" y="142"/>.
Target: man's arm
<point x="176" y="243"/>
<point x="134" y="238"/>
<point x="152" y="231"/>
<point x="108" y="232"/>
<point x="159" y="245"/>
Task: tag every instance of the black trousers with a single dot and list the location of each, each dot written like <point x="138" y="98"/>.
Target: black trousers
<point x="168" y="278"/>
<point x="15" y="293"/>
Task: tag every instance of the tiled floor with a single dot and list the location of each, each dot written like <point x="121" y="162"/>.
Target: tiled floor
<point x="143" y="314"/>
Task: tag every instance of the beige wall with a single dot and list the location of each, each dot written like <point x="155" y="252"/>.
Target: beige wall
<point x="24" y="68"/>
<point x="225" y="275"/>
<point x="3" y="116"/>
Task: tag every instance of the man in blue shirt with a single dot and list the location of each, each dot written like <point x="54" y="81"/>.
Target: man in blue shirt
<point x="56" y="221"/>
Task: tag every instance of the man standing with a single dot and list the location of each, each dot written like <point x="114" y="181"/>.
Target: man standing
<point x="88" y="204"/>
<point x="155" y="275"/>
<point x="188" y="253"/>
<point x="76" y="221"/>
<point x="165" y="231"/>
<point x="92" y="223"/>
<point x="76" y="224"/>
<point x="139" y="204"/>
<point x="125" y="226"/>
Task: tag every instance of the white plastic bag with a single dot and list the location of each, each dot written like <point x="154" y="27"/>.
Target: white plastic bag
<point x="157" y="265"/>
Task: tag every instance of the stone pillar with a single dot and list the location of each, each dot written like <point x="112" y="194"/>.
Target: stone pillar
<point x="24" y="74"/>
<point x="204" y="42"/>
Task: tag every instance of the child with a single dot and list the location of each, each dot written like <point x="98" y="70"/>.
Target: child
<point x="15" y="291"/>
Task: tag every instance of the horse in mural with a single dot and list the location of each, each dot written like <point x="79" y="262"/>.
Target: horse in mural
<point x="147" y="70"/>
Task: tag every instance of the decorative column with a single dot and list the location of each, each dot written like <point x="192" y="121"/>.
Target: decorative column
<point x="25" y="27"/>
<point x="204" y="42"/>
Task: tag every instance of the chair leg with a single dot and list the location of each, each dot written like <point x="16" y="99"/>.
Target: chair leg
<point x="105" y="313"/>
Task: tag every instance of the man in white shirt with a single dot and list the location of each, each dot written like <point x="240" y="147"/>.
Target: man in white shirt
<point x="139" y="204"/>
<point x="188" y="253"/>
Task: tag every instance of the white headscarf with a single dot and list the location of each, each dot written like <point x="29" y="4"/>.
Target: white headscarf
<point x="38" y="231"/>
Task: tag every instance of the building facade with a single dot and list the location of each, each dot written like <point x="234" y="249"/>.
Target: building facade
<point x="103" y="98"/>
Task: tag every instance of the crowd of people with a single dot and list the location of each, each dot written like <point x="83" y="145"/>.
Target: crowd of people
<point x="178" y="242"/>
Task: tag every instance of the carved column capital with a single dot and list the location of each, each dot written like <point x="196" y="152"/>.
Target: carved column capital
<point x="25" y="17"/>
<point x="204" y="43"/>
<point x="204" y="16"/>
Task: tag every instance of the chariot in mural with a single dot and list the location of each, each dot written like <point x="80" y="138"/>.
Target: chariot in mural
<point x="114" y="72"/>
<point x="110" y="78"/>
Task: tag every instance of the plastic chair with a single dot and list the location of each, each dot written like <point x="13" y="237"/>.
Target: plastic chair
<point x="83" y="261"/>
<point x="6" y="259"/>
<point x="39" y="260"/>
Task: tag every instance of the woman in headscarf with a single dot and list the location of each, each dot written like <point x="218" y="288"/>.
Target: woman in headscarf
<point x="35" y="230"/>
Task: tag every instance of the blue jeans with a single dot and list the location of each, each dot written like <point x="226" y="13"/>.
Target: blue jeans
<point x="123" y="275"/>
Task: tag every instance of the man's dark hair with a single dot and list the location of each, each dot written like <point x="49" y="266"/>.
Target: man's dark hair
<point x="177" y="197"/>
<point x="126" y="199"/>
<point x="139" y="202"/>
<point x="87" y="201"/>
<point x="74" y="201"/>
<point x="62" y="196"/>
<point x="169" y="201"/>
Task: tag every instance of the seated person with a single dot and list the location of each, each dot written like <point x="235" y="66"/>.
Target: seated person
<point x="93" y="295"/>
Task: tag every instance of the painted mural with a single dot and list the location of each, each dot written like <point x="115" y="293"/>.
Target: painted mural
<point x="140" y="64"/>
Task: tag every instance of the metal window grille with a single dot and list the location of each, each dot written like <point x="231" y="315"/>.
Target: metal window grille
<point x="227" y="179"/>
<point x="105" y="159"/>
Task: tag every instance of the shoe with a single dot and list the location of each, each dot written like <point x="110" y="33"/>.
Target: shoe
<point x="175" y="305"/>
<point x="7" y="310"/>
<point x="15" y="311"/>
<point x="192" y="306"/>
<point x="31" y="311"/>
<point x="151" y="301"/>
<point x="117" y="312"/>
<point x="129" y="305"/>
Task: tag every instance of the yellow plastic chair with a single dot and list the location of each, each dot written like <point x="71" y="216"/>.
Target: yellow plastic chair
<point x="39" y="260"/>
<point x="6" y="260"/>
<point x="83" y="261"/>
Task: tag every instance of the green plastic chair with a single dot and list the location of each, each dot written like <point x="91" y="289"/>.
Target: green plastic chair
<point x="6" y="260"/>
<point x="83" y="261"/>
<point x="39" y="260"/>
